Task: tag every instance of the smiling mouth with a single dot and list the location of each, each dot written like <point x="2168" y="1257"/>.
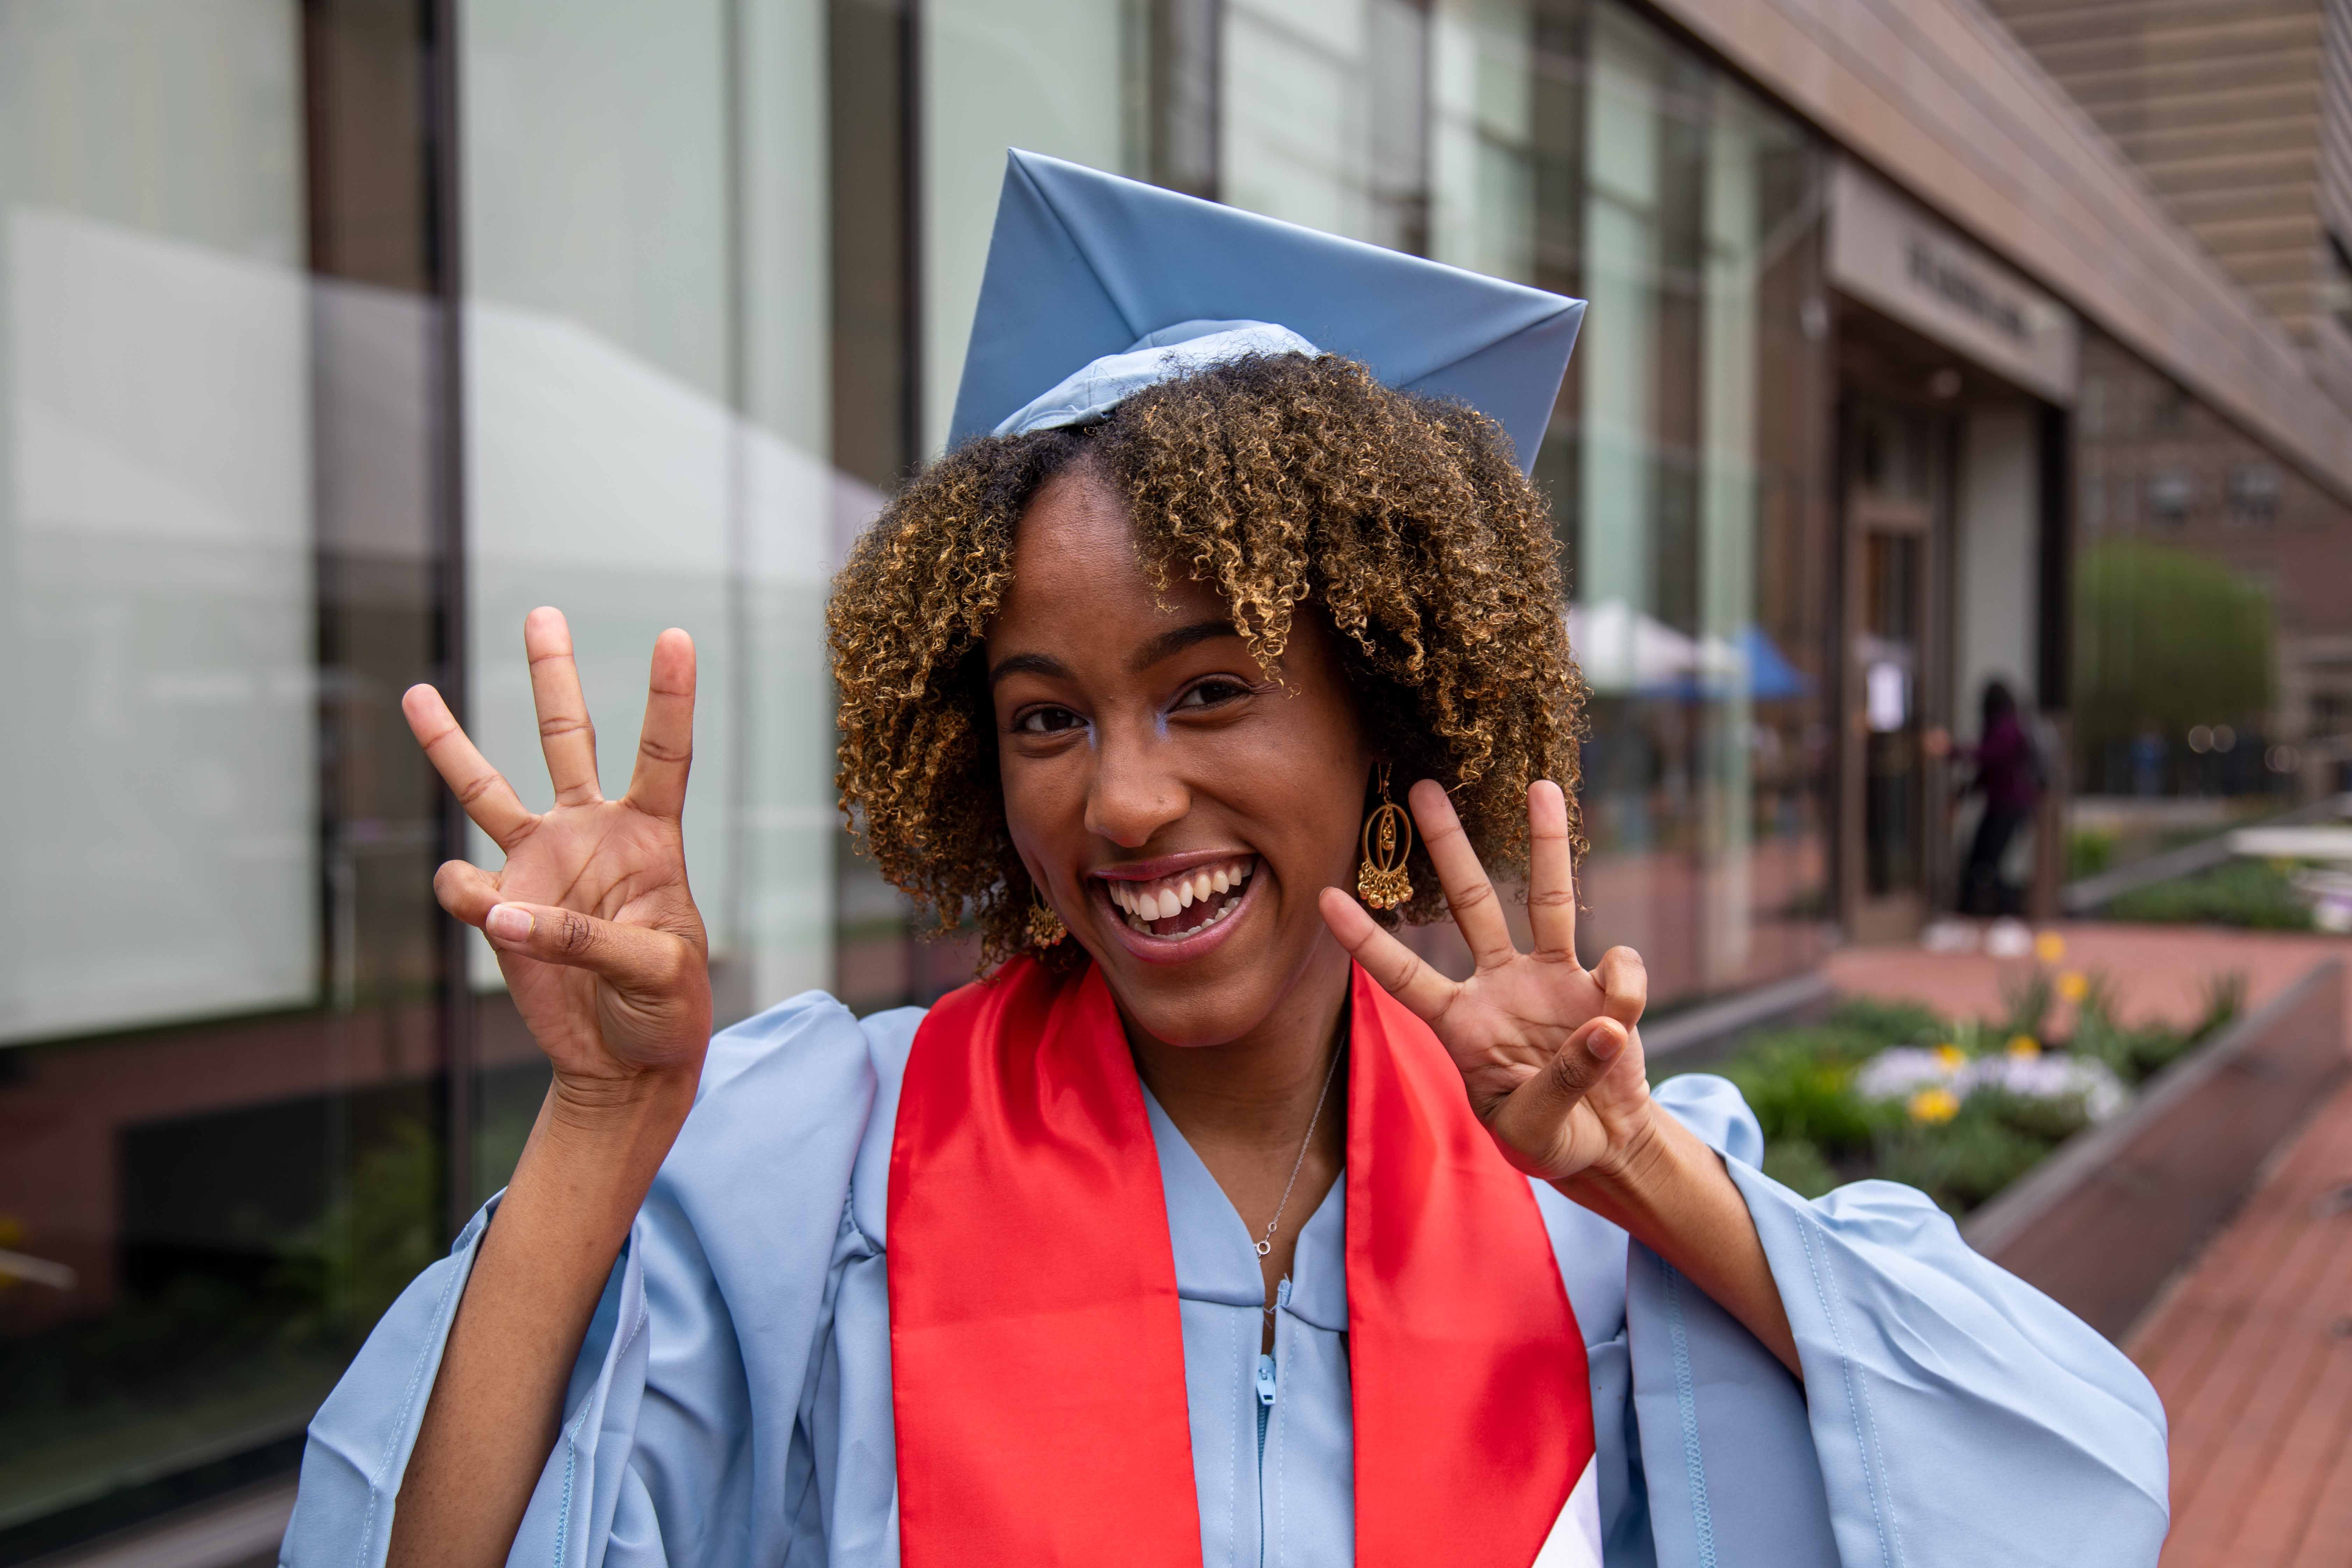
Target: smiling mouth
<point x="1186" y="904"/>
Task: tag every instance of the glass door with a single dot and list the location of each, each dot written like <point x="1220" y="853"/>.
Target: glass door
<point x="1891" y="553"/>
<point x="1895" y="478"/>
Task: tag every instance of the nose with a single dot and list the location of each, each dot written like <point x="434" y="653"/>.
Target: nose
<point x="1136" y="791"/>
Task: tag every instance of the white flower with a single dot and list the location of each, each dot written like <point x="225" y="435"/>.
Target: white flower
<point x="2049" y="1077"/>
<point x="1899" y="1072"/>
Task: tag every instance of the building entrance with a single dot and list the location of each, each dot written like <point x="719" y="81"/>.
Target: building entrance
<point x="1898" y="489"/>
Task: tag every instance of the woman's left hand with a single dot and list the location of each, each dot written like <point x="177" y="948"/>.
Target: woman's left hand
<point x="1551" y="1055"/>
<point x="1551" y="1051"/>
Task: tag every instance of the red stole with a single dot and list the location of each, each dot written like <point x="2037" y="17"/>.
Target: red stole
<point x="1037" y="1356"/>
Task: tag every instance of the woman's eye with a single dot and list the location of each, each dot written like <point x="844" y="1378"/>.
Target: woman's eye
<point x="1209" y="693"/>
<point x="1044" y="721"/>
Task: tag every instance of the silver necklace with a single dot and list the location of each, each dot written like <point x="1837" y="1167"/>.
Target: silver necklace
<point x="1265" y="1243"/>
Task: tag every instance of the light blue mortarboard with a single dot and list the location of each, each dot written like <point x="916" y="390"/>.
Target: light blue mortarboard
<point x="1097" y="287"/>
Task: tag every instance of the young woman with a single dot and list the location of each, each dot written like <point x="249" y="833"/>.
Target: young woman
<point x="1212" y="1227"/>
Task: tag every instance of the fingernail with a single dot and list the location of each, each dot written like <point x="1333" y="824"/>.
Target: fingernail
<point x="508" y="924"/>
<point x="1607" y="1040"/>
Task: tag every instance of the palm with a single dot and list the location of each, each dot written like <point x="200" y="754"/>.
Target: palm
<point x="611" y="978"/>
<point x="1518" y="1027"/>
<point x="611" y="861"/>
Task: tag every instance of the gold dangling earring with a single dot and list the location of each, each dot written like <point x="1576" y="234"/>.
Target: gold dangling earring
<point x="1381" y="880"/>
<point x="1046" y="927"/>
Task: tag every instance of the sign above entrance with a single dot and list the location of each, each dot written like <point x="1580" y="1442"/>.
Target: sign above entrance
<point x="1892" y="254"/>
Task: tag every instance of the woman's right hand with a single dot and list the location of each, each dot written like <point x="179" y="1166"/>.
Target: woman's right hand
<point x="605" y="955"/>
<point x="596" y="931"/>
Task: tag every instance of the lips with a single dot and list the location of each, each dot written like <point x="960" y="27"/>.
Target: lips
<point x="1184" y="902"/>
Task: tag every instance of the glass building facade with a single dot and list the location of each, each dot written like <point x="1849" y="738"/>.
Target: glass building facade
<point x="334" y="336"/>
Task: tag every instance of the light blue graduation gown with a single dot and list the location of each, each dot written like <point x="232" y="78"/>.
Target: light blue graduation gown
<point x="732" y="1403"/>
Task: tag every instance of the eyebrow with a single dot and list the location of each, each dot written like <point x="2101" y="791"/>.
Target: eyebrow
<point x="1028" y="664"/>
<point x="1164" y="645"/>
<point x="1170" y="643"/>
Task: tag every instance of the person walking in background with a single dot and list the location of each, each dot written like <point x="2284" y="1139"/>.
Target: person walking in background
<point x="2008" y="775"/>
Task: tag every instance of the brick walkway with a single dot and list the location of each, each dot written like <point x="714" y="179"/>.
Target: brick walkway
<point x="2252" y="1349"/>
<point x="2252" y="1354"/>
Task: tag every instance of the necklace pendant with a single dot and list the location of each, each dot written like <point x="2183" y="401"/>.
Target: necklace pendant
<point x="1265" y="1248"/>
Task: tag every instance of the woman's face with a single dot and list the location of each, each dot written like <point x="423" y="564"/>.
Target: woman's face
<point x="1180" y="810"/>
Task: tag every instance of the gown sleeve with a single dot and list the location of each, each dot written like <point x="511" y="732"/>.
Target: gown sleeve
<point x="1950" y="1416"/>
<point x="676" y="1447"/>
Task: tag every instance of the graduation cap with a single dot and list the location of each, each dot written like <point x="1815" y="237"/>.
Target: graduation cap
<point x="1097" y="287"/>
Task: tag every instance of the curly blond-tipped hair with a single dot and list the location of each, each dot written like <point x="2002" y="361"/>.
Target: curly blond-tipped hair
<point x="1280" y="481"/>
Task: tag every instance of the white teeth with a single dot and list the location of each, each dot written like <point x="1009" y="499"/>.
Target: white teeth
<point x="1148" y="908"/>
<point x="1165" y="900"/>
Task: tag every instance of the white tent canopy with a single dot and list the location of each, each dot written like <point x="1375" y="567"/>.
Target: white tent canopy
<point x="1621" y="649"/>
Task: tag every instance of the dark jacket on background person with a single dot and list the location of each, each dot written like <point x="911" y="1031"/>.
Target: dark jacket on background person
<point x="2006" y="769"/>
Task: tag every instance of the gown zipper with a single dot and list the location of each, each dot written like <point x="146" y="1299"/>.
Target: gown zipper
<point x="1267" y="1383"/>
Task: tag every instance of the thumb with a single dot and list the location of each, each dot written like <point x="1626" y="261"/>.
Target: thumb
<point x="638" y="960"/>
<point x="1530" y="1117"/>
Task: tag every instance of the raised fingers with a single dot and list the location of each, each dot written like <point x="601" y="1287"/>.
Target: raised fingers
<point x="1397" y="968"/>
<point x="666" y="743"/>
<point x="1551" y="873"/>
<point x="1468" y="893"/>
<point x="487" y="796"/>
<point x="565" y="735"/>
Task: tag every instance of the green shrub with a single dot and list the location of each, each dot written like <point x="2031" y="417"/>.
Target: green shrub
<point x="1800" y="1092"/>
<point x="1800" y="1165"/>
<point x="2225" y="998"/>
<point x="2253" y="894"/>
<point x="2027" y="997"/>
<point x="2051" y="1121"/>
<point x="1889" y="1022"/>
<point x="2089" y="851"/>
<point x="378" y="1233"/>
<point x="2134" y="1054"/>
<point x="1961" y="1162"/>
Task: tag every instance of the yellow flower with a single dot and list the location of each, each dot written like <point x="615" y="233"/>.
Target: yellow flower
<point x="2049" y="947"/>
<point x="2024" y="1046"/>
<point x="1934" y="1105"/>
<point x="2073" y="986"/>
<point x="1951" y="1056"/>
